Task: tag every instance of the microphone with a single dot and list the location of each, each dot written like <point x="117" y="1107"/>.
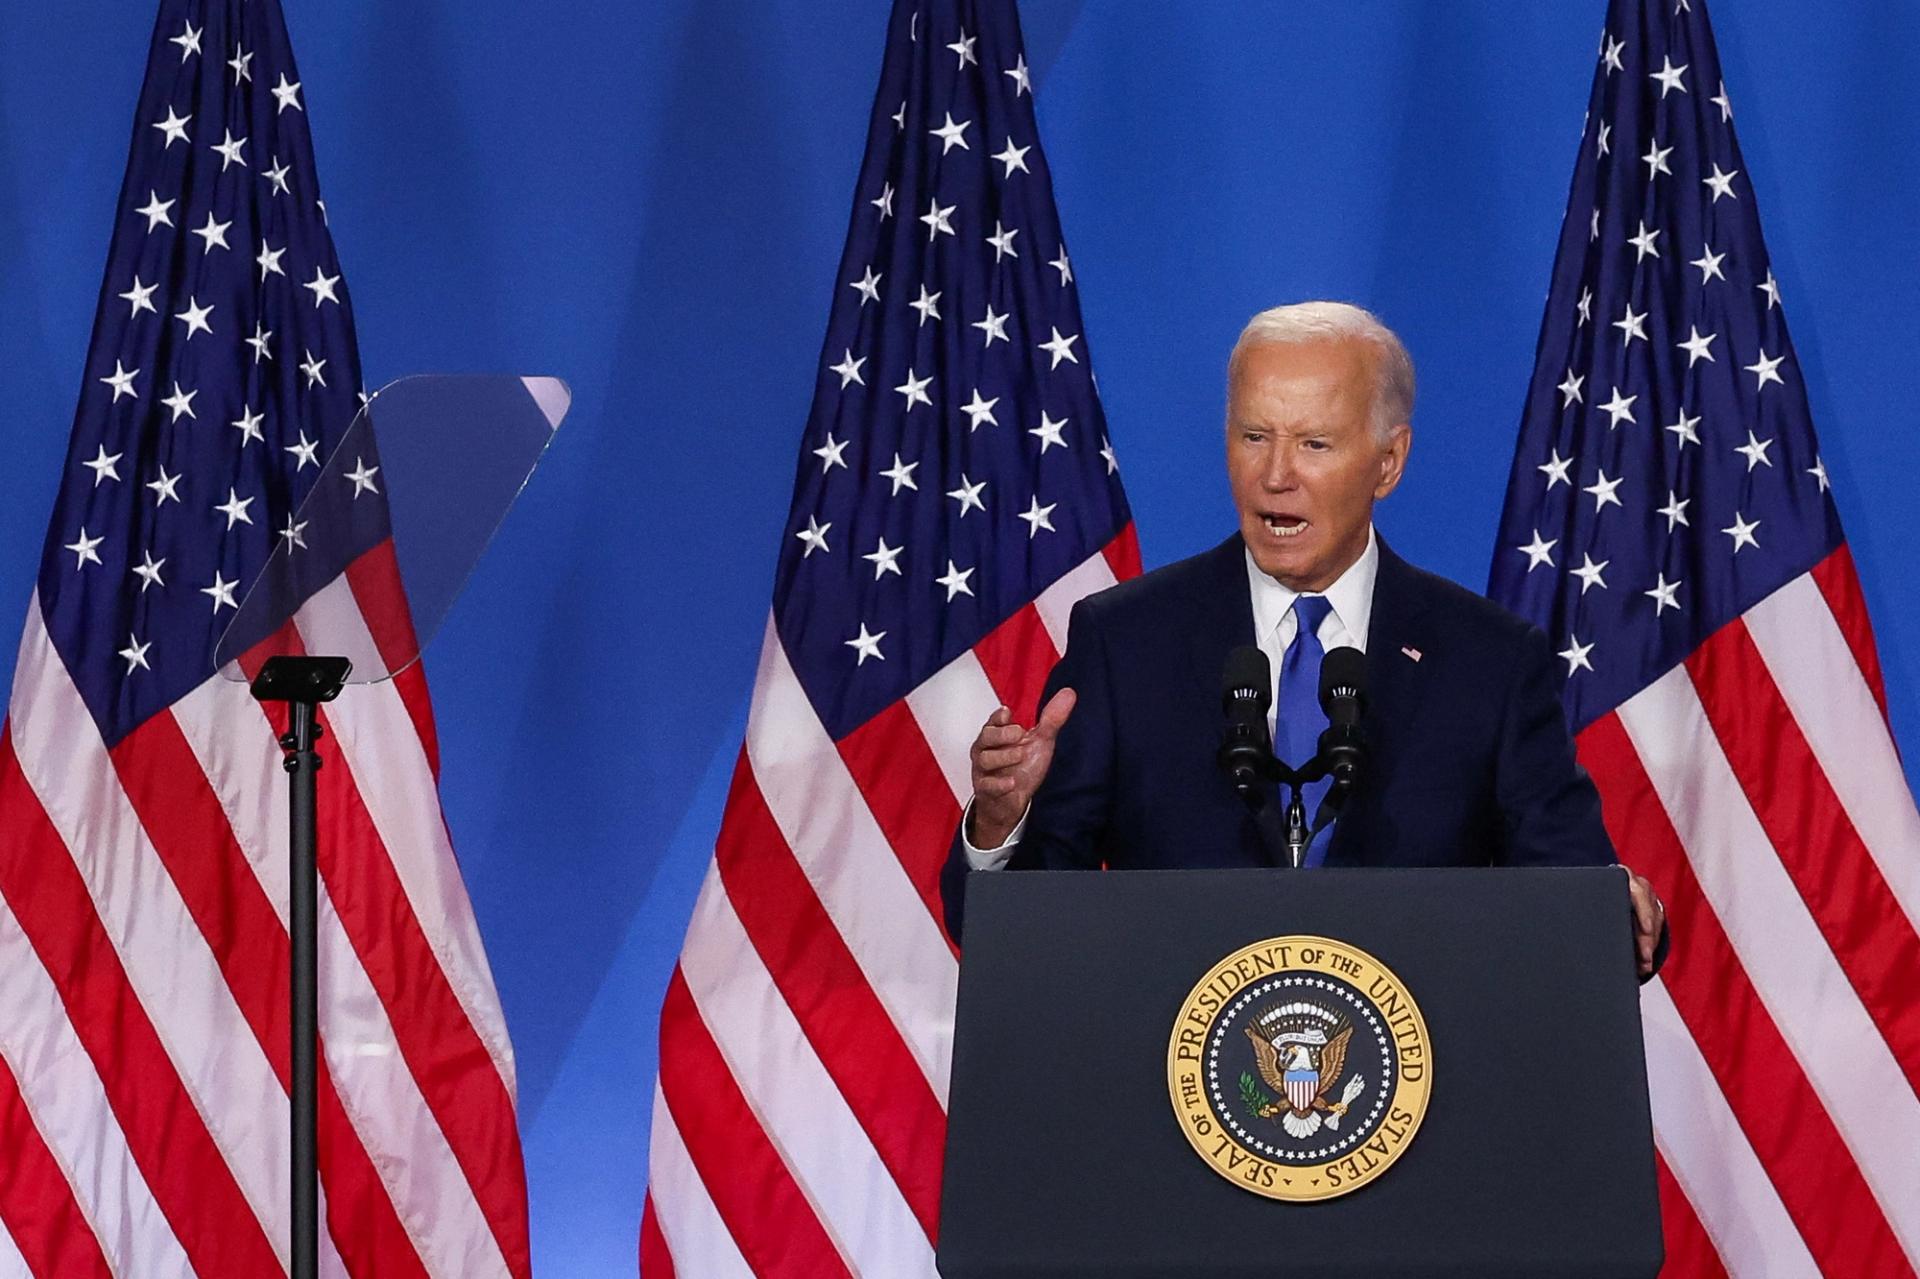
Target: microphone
<point x="1343" y="696"/>
<point x="1245" y="746"/>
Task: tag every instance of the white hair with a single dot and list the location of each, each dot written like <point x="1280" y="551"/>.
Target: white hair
<point x="1303" y="322"/>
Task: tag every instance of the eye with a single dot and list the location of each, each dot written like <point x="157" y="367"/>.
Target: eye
<point x="1315" y="444"/>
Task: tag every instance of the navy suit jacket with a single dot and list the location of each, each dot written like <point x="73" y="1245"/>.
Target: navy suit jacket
<point x="1469" y="759"/>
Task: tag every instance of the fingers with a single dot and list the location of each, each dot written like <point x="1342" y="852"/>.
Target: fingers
<point x="1054" y="714"/>
<point x="1648" y="915"/>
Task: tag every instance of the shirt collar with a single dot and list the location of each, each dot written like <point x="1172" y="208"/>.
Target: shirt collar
<point x="1351" y="595"/>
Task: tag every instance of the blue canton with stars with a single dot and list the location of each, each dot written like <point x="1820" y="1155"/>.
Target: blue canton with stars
<point x="956" y="459"/>
<point x="221" y="373"/>
<point x="1667" y="476"/>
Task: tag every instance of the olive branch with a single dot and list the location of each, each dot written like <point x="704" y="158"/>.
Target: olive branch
<point x="1253" y="1097"/>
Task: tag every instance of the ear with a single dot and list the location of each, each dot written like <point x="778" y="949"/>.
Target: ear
<point x="1393" y="460"/>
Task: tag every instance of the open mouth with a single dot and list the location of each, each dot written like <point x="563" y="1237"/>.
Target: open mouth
<point x="1284" y="525"/>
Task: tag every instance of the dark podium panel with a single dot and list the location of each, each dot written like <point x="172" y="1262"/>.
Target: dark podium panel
<point x="1064" y="1155"/>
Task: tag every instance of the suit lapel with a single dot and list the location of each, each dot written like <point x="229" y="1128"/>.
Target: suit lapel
<point x="1223" y="615"/>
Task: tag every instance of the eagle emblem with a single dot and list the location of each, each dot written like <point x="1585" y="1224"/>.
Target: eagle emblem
<point x="1300" y="1049"/>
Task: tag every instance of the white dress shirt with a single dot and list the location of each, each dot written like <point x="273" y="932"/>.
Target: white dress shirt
<point x="1351" y="608"/>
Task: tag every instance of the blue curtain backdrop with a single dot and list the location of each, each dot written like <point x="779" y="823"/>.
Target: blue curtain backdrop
<point x="650" y="199"/>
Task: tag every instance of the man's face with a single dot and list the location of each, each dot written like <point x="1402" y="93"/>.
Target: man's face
<point x="1302" y="458"/>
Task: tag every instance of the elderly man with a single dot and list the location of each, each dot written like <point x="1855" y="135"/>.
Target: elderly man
<point x="1470" y="762"/>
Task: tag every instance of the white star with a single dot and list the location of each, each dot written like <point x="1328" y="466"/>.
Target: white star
<point x="248" y="424"/>
<point x="1709" y="263"/>
<point x="229" y="149"/>
<point x="1669" y="76"/>
<point x="1061" y="348"/>
<point x="103" y="466"/>
<point x="964" y="47"/>
<point x="1819" y="472"/>
<point x="188" y="40"/>
<point x="1697" y="347"/>
<point x="979" y="411"/>
<point x="213" y="234"/>
<point x="1766" y="369"/>
<point x="1620" y="409"/>
<point x="1106" y="451"/>
<point x="1755" y="451"/>
<point x="1593" y="228"/>
<point x="1611" y="52"/>
<point x="1676" y="510"/>
<point x="1720" y="183"/>
<point x="181" y="402"/>
<point x="884" y="201"/>
<point x="1570" y="389"/>
<point x="832" y="454"/>
<point x="241" y="64"/>
<point x="1633" y="326"/>
<point x="149" y="571"/>
<point x="1049" y="433"/>
<point x="1014" y="158"/>
<point x="269" y="260"/>
<point x="1726" y="106"/>
<point x="1555" y="469"/>
<point x="1683" y="428"/>
<point x="1586" y="305"/>
<point x="175" y="129"/>
<point x="955" y="581"/>
<point x="1589" y="573"/>
<point x="915" y="390"/>
<point x="1663" y="595"/>
<point x="993" y="326"/>
<point x="1575" y="654"/>
<point x="261" y="334"/>
<point x="927" y="304"/>
<point x="196" y="318"/>
<point x="1772" y="290"/>
<point x="1038" y="517"/>
<point x="286" y="95"/>
<point x="1643" y="243"/>
<point x="952" y="135"/>
<point x="156" y="211"/>
<point x="1002" y="242"/>
<point x="135" y="653"/>
<point x="900" y="116"/>
<point x="968" y="495"/>
<point x="867" y="645"/>
<point x="815" y="536"/>
<point x="1603" y="493"/>
<point x="167" y="486"/>
<point x="221" y="591"/>
<point x="278" y="176"/>
<point x="139" y="297"/>
<point x="868" y="285"/>
<point x="1064" y="267"/>
<point x="121" y="380"/>
<point x="312" y="368"/>
<point x="235" y="509"/>
<point x="1656" y="160"/>
<point x="322" y="286"/>
<point x="849" y="369"/>
<point x="292" y="533"/>
<point x="85" y="549"/>
<point x="1601" y="145"/>
<point x="362" y="477"/>
<point x="1742" y="532"/>
<point x="1021" y="82"/>
<point x="305" y="452"/>
<point x="939" y="221"/>
<point x="901" y="473"/>
<point x="884" y="559"/>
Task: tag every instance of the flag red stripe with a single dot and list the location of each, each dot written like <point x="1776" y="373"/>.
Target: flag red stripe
<point x="374" y="580"/>
<point x="184" y="1169"/>
<point x="1818" y="1182"/>
<point x="1809" y="828"/>
<point x="907" y="792"/>
<point x="850" y="1031"/>
<point x="1123" y="554"/>
<point x="190" y="834"/>
<point x="36" y="1201"/>
<point x="1690" y="1252"/>
<point x="655" y="1261"/>
<point x="1017" y="655"/>
<point x="771" y="1222"/>
<point x="1839" y="584"/>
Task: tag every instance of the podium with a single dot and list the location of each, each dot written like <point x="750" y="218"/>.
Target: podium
<point x="1092" y="1052"/>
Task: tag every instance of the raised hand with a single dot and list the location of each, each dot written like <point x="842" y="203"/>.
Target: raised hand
<point x="1009" y="763"/>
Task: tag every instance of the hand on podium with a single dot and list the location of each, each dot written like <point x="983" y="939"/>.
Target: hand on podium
<point x="1009" y="763"/>
<point x="1649" y="920"/>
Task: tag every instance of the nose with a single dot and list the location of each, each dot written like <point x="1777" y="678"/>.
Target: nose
<point x="1280" y="473"/>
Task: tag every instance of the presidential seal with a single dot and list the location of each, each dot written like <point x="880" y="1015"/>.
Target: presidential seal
<point x="1300" y="1068"/>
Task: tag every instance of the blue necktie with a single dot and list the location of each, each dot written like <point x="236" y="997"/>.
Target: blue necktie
<point x="1301" y="721"/>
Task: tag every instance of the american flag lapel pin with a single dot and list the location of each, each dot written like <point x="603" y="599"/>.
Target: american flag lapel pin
<point x="1410" y="651"/>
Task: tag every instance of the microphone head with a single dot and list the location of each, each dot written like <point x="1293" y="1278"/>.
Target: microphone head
<point x="1343" y="677"/>
<point x="1248" y="686"/>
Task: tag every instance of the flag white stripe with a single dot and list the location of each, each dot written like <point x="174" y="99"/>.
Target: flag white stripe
<point x="1834" y="1042"/>
<point x="1709" y="1155"/>
<point x="63" y="1092"/>
<point x="11" y="1262"/>
<point x="377" y="738"/>
<point x="243" y="769"/>
<point x="697" y="1239"/>
<point x="859" y="880"/>
<point x="1055" y="604"/>
<point x="167" y="961"/>
<point x="1807" y="654"/>
<point x="950" y="707"/>
<point x="794" y="1099"/>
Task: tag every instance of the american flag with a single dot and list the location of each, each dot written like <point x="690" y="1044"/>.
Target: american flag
<point x="1669" y="522"/>
<point x="956" y="494"/>
<point x="144" y="1041"/>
